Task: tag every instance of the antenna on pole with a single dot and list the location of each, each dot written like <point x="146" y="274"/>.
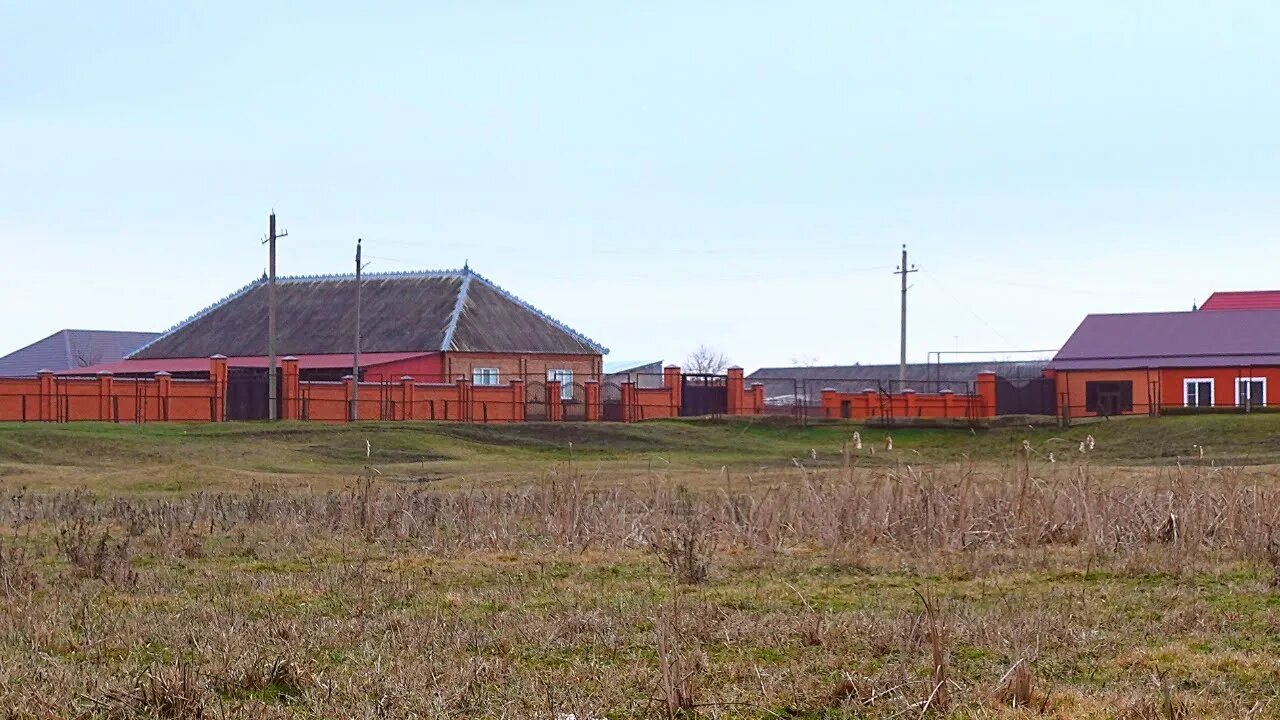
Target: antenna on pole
<point x="904" y="269"/>
<point x="273" y="410"/>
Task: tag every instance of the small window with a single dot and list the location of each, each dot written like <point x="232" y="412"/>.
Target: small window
<point x="484" y="376"/>
<point x="565" y="378"/>
<point x="1198" y="392"/>
<point x="1251" y="392"/>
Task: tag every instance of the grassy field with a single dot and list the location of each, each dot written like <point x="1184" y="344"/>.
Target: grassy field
<point x="713" y="569"/>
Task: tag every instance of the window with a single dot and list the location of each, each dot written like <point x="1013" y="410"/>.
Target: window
<point x="1198" y="392"/>
<point x="1251" y="392"/>
<point x="1108" y="398"/>
<point x="484" y="376"/>
<point x="565" y="377"/>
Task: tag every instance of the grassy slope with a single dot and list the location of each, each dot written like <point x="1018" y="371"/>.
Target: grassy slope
<point x="181" y="456"/>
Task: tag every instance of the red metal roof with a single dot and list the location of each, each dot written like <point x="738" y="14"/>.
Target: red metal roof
<point x="176" y="365"/>
<point x="1248" y="300"/>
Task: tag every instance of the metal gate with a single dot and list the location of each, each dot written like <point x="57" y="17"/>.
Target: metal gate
<point x="535" y="401"/>
<point x="248" y="396"/>
<point x="574" y="402"/>
<point x="1026" y="396"/>
<point x="704" y="395"/>
<point x="611" y="408"/>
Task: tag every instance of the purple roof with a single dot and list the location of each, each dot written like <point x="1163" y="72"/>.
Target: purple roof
<point x="69" y="349"/>
<point x="1173" y="339"/>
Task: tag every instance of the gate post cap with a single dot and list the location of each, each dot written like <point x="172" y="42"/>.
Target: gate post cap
<point x="45" y="371"/>
<point x="288" y="357"/>
<point x="948" y="391"/>
<point x="218" y="356"/>
<point x="825" y="389"/>
<point x="671" y="367"/>
<point x="162" y="373"/>
<point x="908" y="390"/>
<point x="757" y="384"/>
<point x="406" y="377"/>
<point x="348" y="377"/>
<point x="102" y="373"/>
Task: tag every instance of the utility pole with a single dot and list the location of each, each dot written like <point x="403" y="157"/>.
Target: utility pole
<point x="904" y="269"/>
<point x="270" y="241"/>
<point x="355" y="356"/>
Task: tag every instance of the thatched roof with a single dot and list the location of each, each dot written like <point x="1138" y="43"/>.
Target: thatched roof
<point x="451" y="310"/>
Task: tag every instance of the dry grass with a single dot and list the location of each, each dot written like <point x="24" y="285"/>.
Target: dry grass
<point x="895" y="593"/>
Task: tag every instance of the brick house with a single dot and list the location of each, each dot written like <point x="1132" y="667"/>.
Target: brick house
<point x="435" y="326"/>
<point x="1218" y="357"/>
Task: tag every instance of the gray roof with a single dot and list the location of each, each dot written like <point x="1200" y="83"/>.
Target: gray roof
<point x="805" y="384"/>
<point x="450" y="310"/>
<point x="71" y="349"/>
<point x="1173" y="339"/>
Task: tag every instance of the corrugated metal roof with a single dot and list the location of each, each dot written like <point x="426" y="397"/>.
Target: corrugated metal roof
<point x="1176" y="339"/>
<point x="1246" y="300"/>
<point x="451" y="310"/>
<point x="67" y="349"/>
<point x="201" y="364"/>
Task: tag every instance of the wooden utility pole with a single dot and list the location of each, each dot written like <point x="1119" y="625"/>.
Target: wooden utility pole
<point x="903" y="270"/>
<point x="270" y="241"/>
<point x="355" y="356"/>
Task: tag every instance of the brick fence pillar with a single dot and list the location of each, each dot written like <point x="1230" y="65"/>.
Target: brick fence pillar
<point x="517" y="399"/>
<point x="986" y="391"/>
<point x="47" y="401"/>
<point x="105" y="382"/>
<point x="406" y="397"/>
<point x="555" y="405"/>
<point x="291" y="389"/>
<point x="628" y="401"/>
<point x="349" y="397"/>
<point x="830" y="403"/>
<point x="757" y="398"/>
<point x="591" y="389"/>
<point x="218" y="392"/>
<point x="465" y="411"/>
<point x="908" y="403"/>
<point x="671" y="380"/>
<point x="164" y="391"/>
<point x="734" y="385"/>
<point x="869" y="402"/>
<point x="948" y="403"/>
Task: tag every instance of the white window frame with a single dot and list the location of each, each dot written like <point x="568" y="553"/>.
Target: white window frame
<point x="565" y="377"/>
<point x="1253" y="402"/>
<point x="1187" y="382"/>
<point x="481" y="376"/>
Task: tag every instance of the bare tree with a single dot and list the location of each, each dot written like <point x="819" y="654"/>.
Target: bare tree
<point x="706" y="361"/>
<point x="86" y="355"/>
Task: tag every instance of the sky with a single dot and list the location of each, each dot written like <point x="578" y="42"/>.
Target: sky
<point x="656" y="175"/>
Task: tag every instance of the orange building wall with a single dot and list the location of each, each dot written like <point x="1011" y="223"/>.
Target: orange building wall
<point x="1070" y="386"/>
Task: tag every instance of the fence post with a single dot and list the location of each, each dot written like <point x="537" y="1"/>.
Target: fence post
<point x="591" y="389"/>
<point x="734" y="389"/>
<point x="517" y="399"/>
<point x="947" y="396"/>
<point x="348" y="396"/>
<point x="465" y="412"/>
<point x="986" y="394"/>
<point x="908" y="403"/>
<point x="406" y="397"/>
<point x="757" y="398"/>
<point x="48" y="400"/>
<point x="291" y="389"/>
<point x="555" y="404"/>
<point x="628" y="401"/>
<point x="218" y="376"/>
<point x="105" y="381"/>
<point x="830" y="403"/>
<point x="164" y="390"/>
<point x="671" y="380"/>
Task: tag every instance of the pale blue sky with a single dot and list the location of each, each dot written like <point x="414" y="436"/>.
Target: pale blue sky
<point x="654" y="174"/>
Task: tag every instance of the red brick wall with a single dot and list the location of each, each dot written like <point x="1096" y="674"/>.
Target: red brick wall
<point x="528" y="366"/>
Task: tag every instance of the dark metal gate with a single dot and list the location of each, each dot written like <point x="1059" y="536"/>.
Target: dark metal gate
<point x="574" y="401"/>
<point x="535" y="401"/>
<point x="1026" y="396"/>
<point x="611" y="408"/>
<point x="704" y="395"/>
<point x="248" y="396"/>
